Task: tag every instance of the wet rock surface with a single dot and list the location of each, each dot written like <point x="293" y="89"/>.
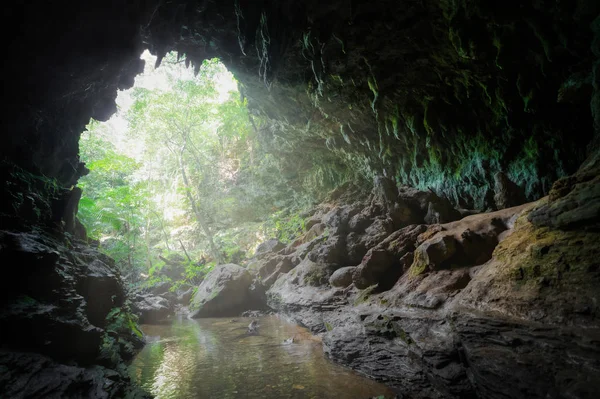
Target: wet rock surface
<point x="153" y="309"/>
<point x="456" y="310"/>
<point x="224" y="292"/>
<point x="63" y="314"/>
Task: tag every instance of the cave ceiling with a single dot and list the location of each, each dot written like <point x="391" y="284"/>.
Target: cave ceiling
<point x="436" y="94"/>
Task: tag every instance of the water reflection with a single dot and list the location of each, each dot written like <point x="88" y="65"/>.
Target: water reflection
<point x="214" y="358"/>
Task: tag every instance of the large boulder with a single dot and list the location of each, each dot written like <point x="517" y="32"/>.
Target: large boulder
<point x="153" y="309"/>
<point x="224" y="292"/>
<point x="429" y="207"/>
<point x="272" y="245"/>
<point x="506" y="193"/>
<point x="389" y="254"/>
<point x="434" y="253"/>
<point x="466" y="242"/>
<point x="342" y="277"/>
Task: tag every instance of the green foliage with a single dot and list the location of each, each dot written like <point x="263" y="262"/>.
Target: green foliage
<point x="31" y="196"/>
<point x="284" y="225"/>
<point x="192" y="175"/>
<point x="365" y="294"/>
<point x="121" y="333"/>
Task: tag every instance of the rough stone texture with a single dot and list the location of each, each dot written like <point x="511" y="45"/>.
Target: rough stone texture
<point x="385" y="256"/>
<point x="506" y="193"/>
<point x="272" y="245"/>
<point x="469" y="241"/>
<point x="224" y="292"/>
<point x="574" y="203"/>
<point x="516" y="305"/>
<point x="153" y="309"/>
<point x="28" y="375"/>
<point x="342" y="277"/>
<point x="57" y="300"/>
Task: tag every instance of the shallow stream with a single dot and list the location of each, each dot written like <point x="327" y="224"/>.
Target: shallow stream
<point x="216" y="358"/>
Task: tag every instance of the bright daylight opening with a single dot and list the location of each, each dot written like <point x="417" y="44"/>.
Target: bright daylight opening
<point x="178" y="181"/>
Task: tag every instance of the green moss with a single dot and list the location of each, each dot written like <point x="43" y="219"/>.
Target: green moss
<point x="533" y="255"/>
<point x="498" y="45"/>
<point x="365" y="294"/>
<point x="419" y="265"/>
<point x="316" y="276"/>
<point x="337" y="79"/>
<point x="403" y="335"/>
<point x="120" y="333"/>
<point x="328" y="326"/>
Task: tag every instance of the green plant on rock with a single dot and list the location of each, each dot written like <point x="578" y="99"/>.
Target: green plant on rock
<point x="121" y="337"/>
<point x="365" y="294"/>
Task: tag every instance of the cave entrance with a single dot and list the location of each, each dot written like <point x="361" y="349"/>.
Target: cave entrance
<point x="178" y="180"/>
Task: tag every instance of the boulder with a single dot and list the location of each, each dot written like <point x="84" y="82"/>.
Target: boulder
<point x="342" y="277"/>
<point x="466" y="242"/>
<point x="433" y="254"/>
<point x="355" y="248"/>
<point x="387" y="255"/>
<point x="429" y="206"/>
<point x="284" y="266"/>
<point x="506" y="193"/>
<point x="224" y="292"/>
<point x="153" y="309"/>
<point x="574" y="202"/>
<point x="333" y="251"/>
<point x="315" y="231"/>
<point x="184" y="297"/>
<point x="272" y="245"/>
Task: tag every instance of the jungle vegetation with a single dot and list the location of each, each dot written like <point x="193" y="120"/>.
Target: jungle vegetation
<point x="181" y="172"/>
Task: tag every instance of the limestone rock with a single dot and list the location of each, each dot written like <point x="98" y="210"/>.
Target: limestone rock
<point x="430" y="208"/>
<point x="332" y="251"/>
<point x="467" y="242"/>
<point x="184" y="296"/>
<point x="385" y="256"/>
<point x="506" y="193"/>
<point x="153" y="309"/>
<point x="224" y="292"/>
<point x="315" y="231"/>
<point x="433" y="253"/>
<point x="272" y="245"/>
<point x="283" y="266"/>
<point x="342" y="277"/>
<point x="574" y="203"/>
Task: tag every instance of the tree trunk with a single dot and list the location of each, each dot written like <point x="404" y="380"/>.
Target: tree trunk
<point x="213" y="248"/>
<point x="185" y="252"/>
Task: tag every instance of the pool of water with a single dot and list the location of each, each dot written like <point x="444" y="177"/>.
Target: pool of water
<point x="216" y="358"/>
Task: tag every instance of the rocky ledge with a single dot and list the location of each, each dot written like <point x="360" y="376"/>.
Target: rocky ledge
<point x="66" y="326"/>
<point x="443" y="303"/>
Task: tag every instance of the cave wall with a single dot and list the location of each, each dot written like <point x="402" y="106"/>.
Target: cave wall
<point x="436" y="94"/>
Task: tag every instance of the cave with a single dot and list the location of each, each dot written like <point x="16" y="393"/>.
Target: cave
<point x="469" y="267"/>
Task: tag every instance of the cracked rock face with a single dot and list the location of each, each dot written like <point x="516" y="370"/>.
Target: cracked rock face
<point x="457" y="310"/>
<point x="429" y="94"/>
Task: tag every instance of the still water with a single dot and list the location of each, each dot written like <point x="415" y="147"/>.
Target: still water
<point x="215" y="358"/>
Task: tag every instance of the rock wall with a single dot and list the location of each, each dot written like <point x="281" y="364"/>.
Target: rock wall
<point x="493" y="305"/>
<point x="66" y="326"/>
<point x="436" y="94"/>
